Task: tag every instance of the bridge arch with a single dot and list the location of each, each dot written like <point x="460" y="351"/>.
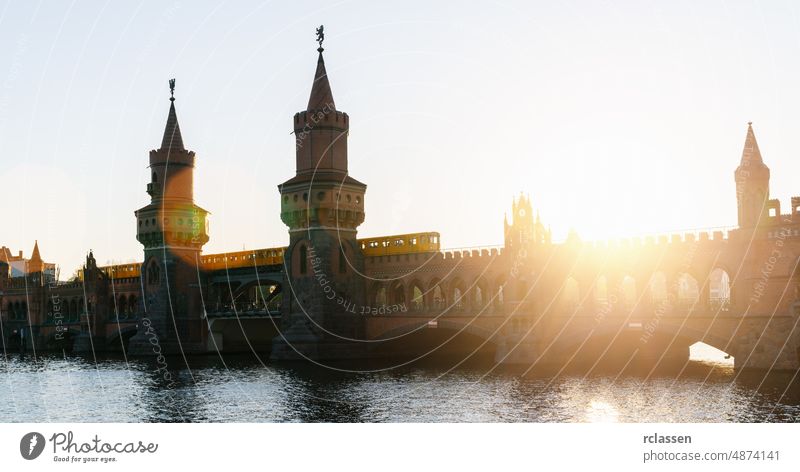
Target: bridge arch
<point x="118" y="341"/>
<point x="416" y="296"/>
<point x="675" y="334"/>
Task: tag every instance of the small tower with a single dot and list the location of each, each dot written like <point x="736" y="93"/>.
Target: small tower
<point x="323" y="207"/>
<point x="752" y="184"/>
<point x="524" y="230"/>
<point x="172" y="230"/>
<point x="35" y="263"/>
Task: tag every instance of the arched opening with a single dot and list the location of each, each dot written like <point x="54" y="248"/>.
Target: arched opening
<point x="703" y="352"/>
<point x="438" y="295"/>
<point x="719" y="290"/>
<point x="688" y="290"/>
<point x="398" y="294"/>
<point x="499" y="294"/>
<point x="417" y="297"/>
<point x="122" y="306"/>
<point x="457" y="289"/>
<point x="457" y="296"/>
<point x="478" y="297"/>
<point x="628" y="291"/>
<point x="570" y="295"/>
<point x="658" y="288"/>
<point x="380" y="297"/>
<point x="132" y="306"/>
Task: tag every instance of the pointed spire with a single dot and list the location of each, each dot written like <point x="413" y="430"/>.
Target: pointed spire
<point x="751" y="154"/>
<point x="321" y="96"/>
<point x="35" y="256"/>
<point x="172" y="132"/>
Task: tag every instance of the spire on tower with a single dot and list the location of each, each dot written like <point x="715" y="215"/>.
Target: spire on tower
<point x="35" y="263"/>
<point x="172" y="132"/>
<point x="321" y="96"/>
<point x="751" y="155"/>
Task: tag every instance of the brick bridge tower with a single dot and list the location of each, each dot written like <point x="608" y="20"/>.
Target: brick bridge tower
<point x="322" y="206"/>
<point x="172" y="230"/>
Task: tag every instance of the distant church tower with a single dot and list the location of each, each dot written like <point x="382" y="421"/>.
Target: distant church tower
<point x="524" y="230"/>
<point x="323" y="207"/>
<point x="752" y="184"/>
<point x="172" y="230"/>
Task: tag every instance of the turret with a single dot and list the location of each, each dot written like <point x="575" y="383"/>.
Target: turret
<point x="752" y="184"/>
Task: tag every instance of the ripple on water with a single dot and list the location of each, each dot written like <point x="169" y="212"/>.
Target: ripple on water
<point x="79" y="389"/>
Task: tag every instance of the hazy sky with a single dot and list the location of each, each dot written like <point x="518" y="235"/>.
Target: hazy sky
<point x="618" y="118"/>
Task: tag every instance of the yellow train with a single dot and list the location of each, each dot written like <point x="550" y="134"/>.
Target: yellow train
<point x="120" y="271"/>
<point x="233" y="260"/>
<point x="381" y="246"/>
<point x="400" y="244"/>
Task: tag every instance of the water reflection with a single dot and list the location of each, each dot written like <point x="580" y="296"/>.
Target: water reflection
<point x="78" y="389"/>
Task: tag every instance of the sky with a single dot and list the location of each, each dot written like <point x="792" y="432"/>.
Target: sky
<point x="617" y="118"/>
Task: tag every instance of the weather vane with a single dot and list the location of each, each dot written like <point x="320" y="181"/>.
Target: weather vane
<point x="320" y="36"/>
<point x="172" y="89"/>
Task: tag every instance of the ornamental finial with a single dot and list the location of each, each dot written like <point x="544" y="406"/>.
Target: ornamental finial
<point x="320" y="37"/>
<point x="172" y="90"/>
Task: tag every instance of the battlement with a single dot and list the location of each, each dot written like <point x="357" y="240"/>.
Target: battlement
<point x="442" y="257"/>
<point x="325" y="118"/>
<point x="173" y="156"/>
<point x="699" y="236"/>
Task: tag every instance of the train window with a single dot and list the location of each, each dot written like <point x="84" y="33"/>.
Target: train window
<point x="385" y="243"/>
<point x="398" y="242"/>
<point x="413" y="241"/>
<point x="373" y="244"/>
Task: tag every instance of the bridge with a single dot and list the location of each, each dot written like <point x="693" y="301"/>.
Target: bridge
<point x="328" y="294"/>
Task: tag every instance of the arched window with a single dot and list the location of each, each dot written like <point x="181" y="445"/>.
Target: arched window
<point x="688" y="290"/>
<point x="417" y="301"/>
<point x="720" y="289"/>
<point x="122" y="307"/>
<point x="380" y="297"/>
<point x="399" y="294"/>
<point x="628" y="289"/>
<point x="478" y="297"/>
<point x="457" y="297"/>
<point x="153" y="274"/>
